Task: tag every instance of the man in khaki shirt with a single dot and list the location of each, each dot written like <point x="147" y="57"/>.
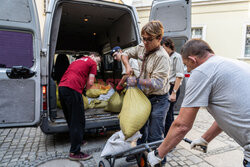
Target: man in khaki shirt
<point x="154" y="67"/>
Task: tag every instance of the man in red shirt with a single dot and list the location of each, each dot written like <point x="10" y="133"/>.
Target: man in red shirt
<point x="79" y="73"/>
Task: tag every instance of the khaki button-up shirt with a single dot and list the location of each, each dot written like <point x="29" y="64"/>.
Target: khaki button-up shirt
<point x="156" y="68"/>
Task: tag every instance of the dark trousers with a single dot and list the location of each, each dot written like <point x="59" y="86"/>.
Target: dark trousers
<point x="153" y="130"/>
<point x="73" y="109"/>
<point x="170" y="114"/>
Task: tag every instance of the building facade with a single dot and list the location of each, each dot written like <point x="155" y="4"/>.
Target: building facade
<point x="224" y="24"/>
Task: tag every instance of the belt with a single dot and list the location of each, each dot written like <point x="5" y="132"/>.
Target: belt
<point x="172" y="83"/>
<point x="151" y="96"/>
<point x="245" y="162"/>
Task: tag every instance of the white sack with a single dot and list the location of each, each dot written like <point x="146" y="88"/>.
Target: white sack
<point x="117" y="143"/>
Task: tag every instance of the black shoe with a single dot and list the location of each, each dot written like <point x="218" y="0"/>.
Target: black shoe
<point x="131" y="158"/>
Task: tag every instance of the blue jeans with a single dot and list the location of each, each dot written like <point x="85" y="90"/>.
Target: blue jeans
<point x="246" y="164"/>
<point x="154" y="128"/>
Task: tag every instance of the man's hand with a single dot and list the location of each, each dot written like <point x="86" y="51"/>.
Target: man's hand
<point x="119" y="88"/>
<point x="172" y="97"/>
<point x="131" y="81"/>
<point x="129" y="71"/>
<point x="152" y="159"/>
<point x="196" y="144"/>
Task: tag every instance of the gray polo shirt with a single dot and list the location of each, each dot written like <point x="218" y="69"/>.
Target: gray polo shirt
<point x="223" y="87"/>
<point x="176" y="67"/>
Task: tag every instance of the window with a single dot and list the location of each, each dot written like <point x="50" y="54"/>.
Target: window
<point x="197" y="32"/>
<point x="247" y="42"/>
<point x="16" y="48"/>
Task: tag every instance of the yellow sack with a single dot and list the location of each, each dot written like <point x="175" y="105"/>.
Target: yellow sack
<point x="85" y="102"/>
<point x="97" y="89"/>
<point x="115" y="102"/>
<point x="58" y="103"/>
<point x="136" y="109"/>
<point x="98" y="104"/>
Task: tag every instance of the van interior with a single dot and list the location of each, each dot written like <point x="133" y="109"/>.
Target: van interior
<point x="79" y="28"/>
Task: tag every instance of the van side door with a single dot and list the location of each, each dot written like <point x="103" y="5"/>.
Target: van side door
<point x="19" y="64"/>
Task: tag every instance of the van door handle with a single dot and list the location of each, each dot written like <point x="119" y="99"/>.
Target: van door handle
<point x="20" y="72"/>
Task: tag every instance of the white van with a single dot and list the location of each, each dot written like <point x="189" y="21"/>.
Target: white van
<point x="28" y="92"/>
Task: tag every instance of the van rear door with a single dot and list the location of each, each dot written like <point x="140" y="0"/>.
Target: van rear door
<point x="175" y="16"/>
<point x="19" y="64"/>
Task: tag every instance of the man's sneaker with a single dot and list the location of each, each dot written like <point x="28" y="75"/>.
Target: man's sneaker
<point x="79" y="157"/>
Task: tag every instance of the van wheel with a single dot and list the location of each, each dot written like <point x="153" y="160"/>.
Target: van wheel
<point x="104" y="163"/>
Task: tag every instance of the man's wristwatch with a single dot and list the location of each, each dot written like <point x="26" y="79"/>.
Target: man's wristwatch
<point x="157" y="154"/>
<point x="174" y="90"/>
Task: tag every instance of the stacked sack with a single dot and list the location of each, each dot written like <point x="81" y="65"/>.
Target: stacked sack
<point x="115" y="102"/>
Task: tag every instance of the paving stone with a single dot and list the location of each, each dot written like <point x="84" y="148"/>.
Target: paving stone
<point x="194" y="159"/>
<point x="188" y="162"/>
<point x="173" y="163"/>
<point x="204" y="164"/>
<point x="184" y="152"/>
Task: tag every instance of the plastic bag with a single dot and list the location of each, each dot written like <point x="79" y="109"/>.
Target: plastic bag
<point x="115" y="103"/>
<point x="117" y="143"/>
<point x="135" y="111"/>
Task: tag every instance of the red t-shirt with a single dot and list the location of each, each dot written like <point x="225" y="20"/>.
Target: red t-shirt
<point x="77" y="73"/>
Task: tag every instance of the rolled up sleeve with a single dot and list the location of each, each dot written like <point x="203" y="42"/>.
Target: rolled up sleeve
<point x="131" y="52"/>
<point x="179" y="68"/>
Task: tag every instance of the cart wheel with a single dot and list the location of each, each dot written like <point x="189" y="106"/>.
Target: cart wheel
<point x="142" y="162"/>
<point x="104" y="163"/>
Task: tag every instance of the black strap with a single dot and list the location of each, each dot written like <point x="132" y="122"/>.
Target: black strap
<point x="245" y="162"/>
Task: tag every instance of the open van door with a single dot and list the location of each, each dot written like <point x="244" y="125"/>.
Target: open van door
<point x="175" y="16"/>
<point x="19" y="64"/>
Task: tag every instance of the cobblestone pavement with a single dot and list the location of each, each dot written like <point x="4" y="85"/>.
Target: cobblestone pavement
<point x="31" y="147"/>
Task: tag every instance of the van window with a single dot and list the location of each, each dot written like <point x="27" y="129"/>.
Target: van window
<point x="16" y="49"/>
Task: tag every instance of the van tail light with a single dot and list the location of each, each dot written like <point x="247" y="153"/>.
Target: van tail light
<point x="44" y="88"/>
<point x="187" y="75"/>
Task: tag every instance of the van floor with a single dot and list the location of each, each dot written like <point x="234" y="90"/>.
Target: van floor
<point x="90" y="113"/>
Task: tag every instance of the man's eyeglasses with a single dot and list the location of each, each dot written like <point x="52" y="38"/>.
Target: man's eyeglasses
<point x="149" y="39"/>
<point x="115" y="55"/>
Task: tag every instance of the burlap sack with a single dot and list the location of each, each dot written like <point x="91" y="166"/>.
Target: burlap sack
<point x="115" y="102"/>
<point x="135" y="111"/>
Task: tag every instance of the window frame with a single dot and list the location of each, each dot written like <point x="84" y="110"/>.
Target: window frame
<point x="244" y="35"/>
<point x="203" y="28"/>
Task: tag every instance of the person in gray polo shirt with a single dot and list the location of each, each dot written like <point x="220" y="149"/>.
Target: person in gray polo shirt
<point x="175" y="78"/>
<point x="222" y="86"/>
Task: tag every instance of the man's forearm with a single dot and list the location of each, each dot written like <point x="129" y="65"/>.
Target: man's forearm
<point x="212" y="132"/>
<point x="90" y="81"/>
<point x="177" y="83"/>
<point x="125" y="61"/>
<point x="178" y="130"/>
